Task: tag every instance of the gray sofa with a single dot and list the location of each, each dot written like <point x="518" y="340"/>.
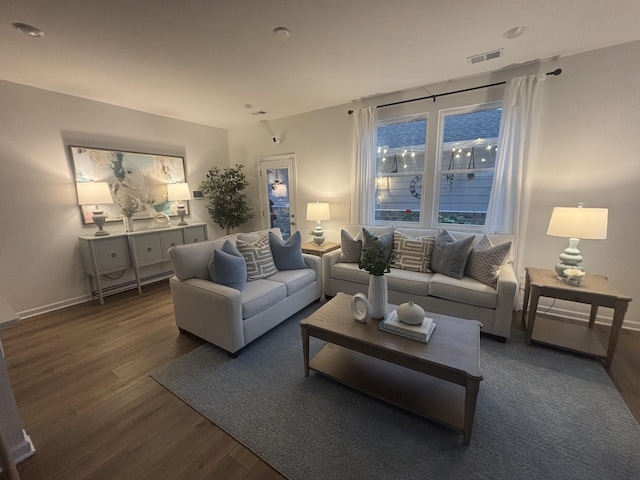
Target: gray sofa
<point x="435" y="292"/>
<point x="230" y="318"/>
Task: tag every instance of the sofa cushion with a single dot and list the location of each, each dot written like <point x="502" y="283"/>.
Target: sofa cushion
<point x="252" y="237"/>
<point x="287" y="255"/>
<point x="261" y="294"/>
<point x="258" y="257"/>
<point x="228" y="267"/>
<point x="412" y="254"/>
<point x="351" y="249"/>
<point x="349" y="272"/>
<point x="486" y="261"/>
<point x="294" y="280"/>
<point x="415" y="283"/>
<point x="449" y="256"/>
<point x="385" y="239"/>
<point x="192" y="260"/>
<point x="467" y="290"/>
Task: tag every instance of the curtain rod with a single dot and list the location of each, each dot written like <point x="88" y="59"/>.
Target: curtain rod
<point x="555" y="73"/>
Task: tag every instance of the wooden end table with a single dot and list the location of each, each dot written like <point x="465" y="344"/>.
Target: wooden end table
<point x="439" y="380"/>
<point x="594" y="290"/>
<point x="319" y="250"/>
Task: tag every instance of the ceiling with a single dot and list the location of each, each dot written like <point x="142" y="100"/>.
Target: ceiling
<point x="217" y="62"/>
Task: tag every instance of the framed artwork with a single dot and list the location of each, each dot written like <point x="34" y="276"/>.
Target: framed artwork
<point x="137" y="181"/>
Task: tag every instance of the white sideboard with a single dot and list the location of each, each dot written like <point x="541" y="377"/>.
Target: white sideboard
<point x="122" y="251"/>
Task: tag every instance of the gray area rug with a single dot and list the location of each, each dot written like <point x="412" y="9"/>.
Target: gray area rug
<point x="541" y="413"/>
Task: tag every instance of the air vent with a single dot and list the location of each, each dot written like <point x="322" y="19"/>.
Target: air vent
<point x="484" y="56"/>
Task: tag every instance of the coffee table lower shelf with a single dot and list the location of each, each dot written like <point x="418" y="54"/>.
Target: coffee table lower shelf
<point x="424" y="395"/>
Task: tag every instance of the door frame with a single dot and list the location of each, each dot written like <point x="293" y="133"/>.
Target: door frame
<point x="284" y="160"/>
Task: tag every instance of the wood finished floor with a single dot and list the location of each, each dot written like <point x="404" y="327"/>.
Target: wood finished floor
<point x="81" y="381"/>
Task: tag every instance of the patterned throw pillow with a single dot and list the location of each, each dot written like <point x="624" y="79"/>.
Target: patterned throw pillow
<point x="351" y="249"/>
<point x="485" y="261"/>
<point x="413" y="254"/>
<point x="450" y="255"/>
<point x="386" y="240"/>
<point x="258" y="257"/>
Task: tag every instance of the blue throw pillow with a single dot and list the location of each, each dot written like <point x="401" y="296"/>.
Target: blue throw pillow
<point x="287" y="255"/>
<point x="228" y="267"/>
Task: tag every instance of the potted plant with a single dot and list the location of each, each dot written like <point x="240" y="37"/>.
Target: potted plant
<point x="227" y="203"/>
<point x="377" y="261"/>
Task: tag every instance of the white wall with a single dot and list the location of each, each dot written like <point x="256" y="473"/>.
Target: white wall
<point x="585" y="153"/>
<point x="39" y="255"/>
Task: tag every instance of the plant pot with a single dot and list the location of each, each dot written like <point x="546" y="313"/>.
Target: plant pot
<point x="378" y="296"/>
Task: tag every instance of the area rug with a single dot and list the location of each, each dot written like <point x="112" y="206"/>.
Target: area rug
<point x="541" y="413"/>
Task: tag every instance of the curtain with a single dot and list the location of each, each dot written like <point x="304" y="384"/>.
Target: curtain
<point x="509" y="201"/>
<point x="363" y="167"/>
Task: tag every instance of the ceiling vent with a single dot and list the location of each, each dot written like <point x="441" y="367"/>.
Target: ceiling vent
<point x="483" y="57"/>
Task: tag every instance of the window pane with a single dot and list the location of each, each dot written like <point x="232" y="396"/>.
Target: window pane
<point x="399" y="168"/>
<point x="467" y="161"/>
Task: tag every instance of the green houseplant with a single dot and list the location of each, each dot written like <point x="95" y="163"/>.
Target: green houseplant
<point x="227" y="203"/>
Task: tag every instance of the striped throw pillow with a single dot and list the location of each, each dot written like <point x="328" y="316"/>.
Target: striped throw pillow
<point x="258" y="257"/>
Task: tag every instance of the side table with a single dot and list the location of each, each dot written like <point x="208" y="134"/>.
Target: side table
<point x="319" y="250"/>
<point x="594" y="290"/>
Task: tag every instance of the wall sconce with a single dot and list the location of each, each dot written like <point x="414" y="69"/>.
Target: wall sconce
<point x="95" y="193"/>
<point x="575" y="223"/>
<point x="179" y="192"/>
<point x="318" y="212"/>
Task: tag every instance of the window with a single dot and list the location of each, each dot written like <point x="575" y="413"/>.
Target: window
<point x="447" y="182"/>
<point x="399" y="169"/>
<point x="467" y="156"/>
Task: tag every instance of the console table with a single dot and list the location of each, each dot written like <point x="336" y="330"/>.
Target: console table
<point x="594" y="290"/>
<point x="134" y="250"/>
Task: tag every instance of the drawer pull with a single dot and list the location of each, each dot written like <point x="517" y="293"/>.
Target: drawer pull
<point x="173" y="244"/>
<point x="114" y="255"/>
<point x="148" y="249"/>
<point x="195" y="240"/>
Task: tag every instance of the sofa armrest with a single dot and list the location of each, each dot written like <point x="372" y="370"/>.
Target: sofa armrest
<point x="328" y="261"/>
<point x="210" y="311"/>
<point x="313" y="261"/>
<point x="507" y="288"/>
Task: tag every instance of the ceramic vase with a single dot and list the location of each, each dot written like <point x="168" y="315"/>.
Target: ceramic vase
<point x="378" y="296"/>
<point x="128" y="224"/>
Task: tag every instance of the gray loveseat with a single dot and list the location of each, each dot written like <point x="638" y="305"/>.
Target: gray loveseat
<point x="232" y="318"/>
<point x="465" y="297"/>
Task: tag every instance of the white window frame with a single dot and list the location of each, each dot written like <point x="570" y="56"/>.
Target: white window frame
<point x="437" y="164"/>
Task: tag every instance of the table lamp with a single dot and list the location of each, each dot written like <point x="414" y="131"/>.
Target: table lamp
<point x="95" y="193"/>
<point x="575" y="223"/>
<point x="318" y="211"/>
<point x="179" y="192"/>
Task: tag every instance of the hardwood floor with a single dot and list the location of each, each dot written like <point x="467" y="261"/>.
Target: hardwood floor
<point x="81" y="382"/>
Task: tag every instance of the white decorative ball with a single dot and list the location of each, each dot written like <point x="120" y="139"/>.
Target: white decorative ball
<point x="410" y="313"/>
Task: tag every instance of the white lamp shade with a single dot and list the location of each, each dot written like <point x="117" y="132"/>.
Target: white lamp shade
<point x="178" y="191"/>
<point x="579" y="222"/>
<point x="93" y="193"/>
<point x="318" y="211"/>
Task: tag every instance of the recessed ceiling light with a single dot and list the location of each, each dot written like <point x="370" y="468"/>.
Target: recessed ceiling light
<point x="29" y="30"/>
<point x="281" y="32"/>
<point x="514" y="32"/>
<point x="259" y="112"/>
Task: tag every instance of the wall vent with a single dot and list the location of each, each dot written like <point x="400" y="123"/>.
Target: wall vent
<point x="483" y="57"/>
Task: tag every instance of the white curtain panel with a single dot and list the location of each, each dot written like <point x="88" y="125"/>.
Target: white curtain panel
<point x="509" y="202"/>
<point x="363" y="167"/>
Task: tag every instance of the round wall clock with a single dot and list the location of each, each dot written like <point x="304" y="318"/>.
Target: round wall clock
<point x="416" y="186"/>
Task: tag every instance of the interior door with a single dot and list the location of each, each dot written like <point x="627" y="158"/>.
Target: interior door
<point x="278" y="193"/>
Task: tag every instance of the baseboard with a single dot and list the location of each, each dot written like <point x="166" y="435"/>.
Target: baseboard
<point x="32" y="312"/>
<point x="584" y="317"/>
<point x="111" y="290"/>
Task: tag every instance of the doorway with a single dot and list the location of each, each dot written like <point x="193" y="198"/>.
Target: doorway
<point x="278" y="193"/>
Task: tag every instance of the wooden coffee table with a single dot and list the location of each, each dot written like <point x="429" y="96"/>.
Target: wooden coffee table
<point x="439" y="380"/>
